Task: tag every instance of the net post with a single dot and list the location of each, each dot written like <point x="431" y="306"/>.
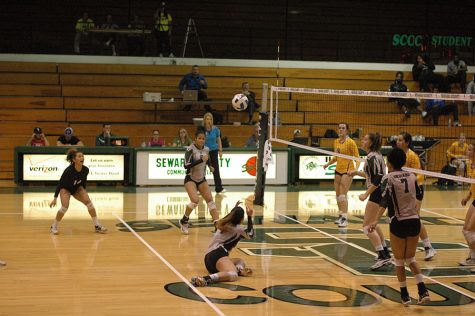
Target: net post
<point x="263" y="126"/>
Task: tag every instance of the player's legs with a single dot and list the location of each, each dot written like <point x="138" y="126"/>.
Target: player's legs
<point x="241" y="267"/>
<point x="64" y="196"/>
<point x="82" y="196"/>
<point x="191" y="190"/>
<point x="344" y="186"/>
<point x="208" y="197"/>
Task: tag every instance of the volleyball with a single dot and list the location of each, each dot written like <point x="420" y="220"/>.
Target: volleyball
<point x="240" y="102"/>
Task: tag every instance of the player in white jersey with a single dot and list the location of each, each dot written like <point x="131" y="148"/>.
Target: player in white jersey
<point x="374" y="170"/>
<point x="221" y="267"/>
<point x="399" y="193"/>
<point x="196" y="159"/>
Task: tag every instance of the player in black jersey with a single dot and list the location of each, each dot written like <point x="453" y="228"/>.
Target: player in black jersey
<point x="73" y="182"/>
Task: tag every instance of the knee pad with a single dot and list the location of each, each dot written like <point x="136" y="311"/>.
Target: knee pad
<point x="341" y="198"/>
<point x="233" y="276"/>
<point x="192" y="205"/>
<point x="63" y="209"/>
<point x="90" y="206"/>
<point x="366" y="230"/>
<point x="399" y="262"/>
<point x="469" y="236"/>
<point x="211" y="205"/>
<point x="410" y="260"/>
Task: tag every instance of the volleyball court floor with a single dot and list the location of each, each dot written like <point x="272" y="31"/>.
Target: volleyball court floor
<point x="302" y="263"/>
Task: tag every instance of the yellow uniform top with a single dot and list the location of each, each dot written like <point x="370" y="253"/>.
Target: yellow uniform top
<point x="471" y="174"/>
<point x="456" y="150"/>
<point x="349" y="148"/>
<point x="413" y="161"/>
<point x="163" y="22"/>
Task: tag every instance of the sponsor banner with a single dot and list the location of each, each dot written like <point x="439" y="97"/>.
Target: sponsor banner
<point x="36" y="205"/>
<point x="50" y="167"/>
<point x="165" y="165"/>
<point x="311" y="167"/>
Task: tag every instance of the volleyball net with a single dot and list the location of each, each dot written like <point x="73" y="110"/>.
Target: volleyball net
<point x="308" y="119"/>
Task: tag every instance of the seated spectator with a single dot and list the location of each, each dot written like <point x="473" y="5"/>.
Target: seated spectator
<point x="135" y="41"/>
<point x="437" y="107"/>
<point x="68" y="139"/>
<point x="254" y="138"/>
<point x="252" y="105"/>
<point x="38" y="138"/>
<point x="456" y="73"/>
<point x="104" y="138"/>
<point x="110" y="39"/>
<point x="182" y="140"/>
<point x="405" y="104"/>
<point x="156" y="141"/>
<point x="83" y="25"/>
<point x="195" y="81"/>
<point x="456" y="154"/>
<point x="470" y="90"/>
<point x="423" y="71"/>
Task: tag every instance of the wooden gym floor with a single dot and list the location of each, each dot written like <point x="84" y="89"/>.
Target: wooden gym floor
<point x="302" y="268"/>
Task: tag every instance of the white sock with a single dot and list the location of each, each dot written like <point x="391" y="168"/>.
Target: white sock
<point x="426" y="243"/>
<point x="383" y="243"/>
<point x="55" y="223"/>
<point x="95" y="221"/>
<point x="214" y="277"/>
<point x="402" y="284"/>
<point x="379" y="248"/>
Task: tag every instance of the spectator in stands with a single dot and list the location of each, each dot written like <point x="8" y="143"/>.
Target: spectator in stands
<point x="405" y="104"/>
<point x="68" y="139"/>
<point x="423" y="71"/>
<point x="457" y="154"/>
<point x="104" y="138"/>
<point x="156" y="141"/>
<point x="456" y="73"/>
<point x="163" y="30"/>
<point x="110" y="39"/>
<point x="225" y="141"/>
<point x="182" y="140"/>
<point x="195" y="81"/>
<point x="38" y="138"/>
<point x="135" y="41"/>
<point x="437" y="107"/>
<point x="252" y="105"/>
<point x="254" y="138"/>
<point x="83" y="25"/>
<point x="470" y="90"/>
<point x="213" y="142"/>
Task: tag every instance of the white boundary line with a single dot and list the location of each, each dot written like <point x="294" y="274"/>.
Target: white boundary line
<point x="442" y="215"/>
<point x="352" y="245"/>
<point x="213" y="306"/>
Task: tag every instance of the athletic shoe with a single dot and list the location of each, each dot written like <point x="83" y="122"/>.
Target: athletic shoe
<point x="2" y="263"/>
<point x="457" y="124"/>
<point x="222" y="191"/>
<point x="245" y="272"/>
<point x="337" y="221"/>
<point x="467" y="262"/>
<point x="424" y="113"/>
<point x="423" y="298"/>
<point x="183" y="227"/>
<point x="198" y="281"/>
<point x="380" y="263"/>
<point x="430" y="253"/>
<point x="54" y="230"/>
<point x="407" y="114"/>
<point x="343" y="222"/>
<point x="100" y="229"/>
<point x="405" y="300"/>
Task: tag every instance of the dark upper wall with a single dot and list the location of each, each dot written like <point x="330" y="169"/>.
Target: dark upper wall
<point x="307" y="30"/>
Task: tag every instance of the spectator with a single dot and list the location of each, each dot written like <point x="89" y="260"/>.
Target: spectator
<point x="104" y="138"/>
<point x="225" y="141"/>
<point x="135" y="41"/>
<point x="470" y="90"/>
<point x="83" y="25"/>
<point x="195" y="81"/>
<point x="38" y="138"/>
<point x="156" y="141"/>
<point x="423" y="71"/>
<point x="213" y="142"/>
<point x="110" y="39"/>
<point x="182" y="140"/>
<point x="456" y="73"/>
<point x="163" y="30"/>
<point x="437" y="107"/>
<point x="254" y="138"/>
<point x="457" y="154"/>
<point x="252" y="105"/>
<point x="68" y="139"/>
<point x="405" y="104"/>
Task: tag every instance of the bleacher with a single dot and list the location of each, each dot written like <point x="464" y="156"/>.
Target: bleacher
<point x="84" y="96"/>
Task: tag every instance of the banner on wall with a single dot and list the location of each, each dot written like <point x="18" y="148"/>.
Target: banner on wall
<point x="50" y="167"/>
<point x="311" y="167"/>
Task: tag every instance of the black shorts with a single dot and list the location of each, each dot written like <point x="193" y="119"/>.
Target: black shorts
<point x="405" y="228"/>
<point x="375" y="197"/>
<point x="188" y="179"/>
<point x="340" y="174"/>
<point x="422" y="191"/>
<point x="212" y="257"/>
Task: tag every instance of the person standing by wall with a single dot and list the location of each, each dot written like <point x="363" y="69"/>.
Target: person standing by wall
<point x="163" y="30"/>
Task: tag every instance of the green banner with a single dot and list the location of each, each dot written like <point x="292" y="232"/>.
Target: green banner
<point x="415" y="40"/>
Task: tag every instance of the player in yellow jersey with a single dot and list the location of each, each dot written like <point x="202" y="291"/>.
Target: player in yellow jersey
<point x="456" y="154"/>
<point x="469" y="225"/>
<point x="343" y="145"/>
<point x="412" y="161"/>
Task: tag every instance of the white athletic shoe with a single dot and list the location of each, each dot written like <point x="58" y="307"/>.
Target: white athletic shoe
<point x="430" y="254"/>
<point x="406" y="301"/>
<point x="54" y="230"/>
<point x="423" y="298"/>
<point x="100" y="229"/>
<point x="245" y="272"/>
<point x="424" y="113"/>
<point x="467" y="262"/>
<point x="380" y="263"/>
<point x="184" y="227"/>
<point x="198" y="281"/>
<point x="2" y="263"/>
<point x="343" y="222"/>
<point x="337" y="221"/>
